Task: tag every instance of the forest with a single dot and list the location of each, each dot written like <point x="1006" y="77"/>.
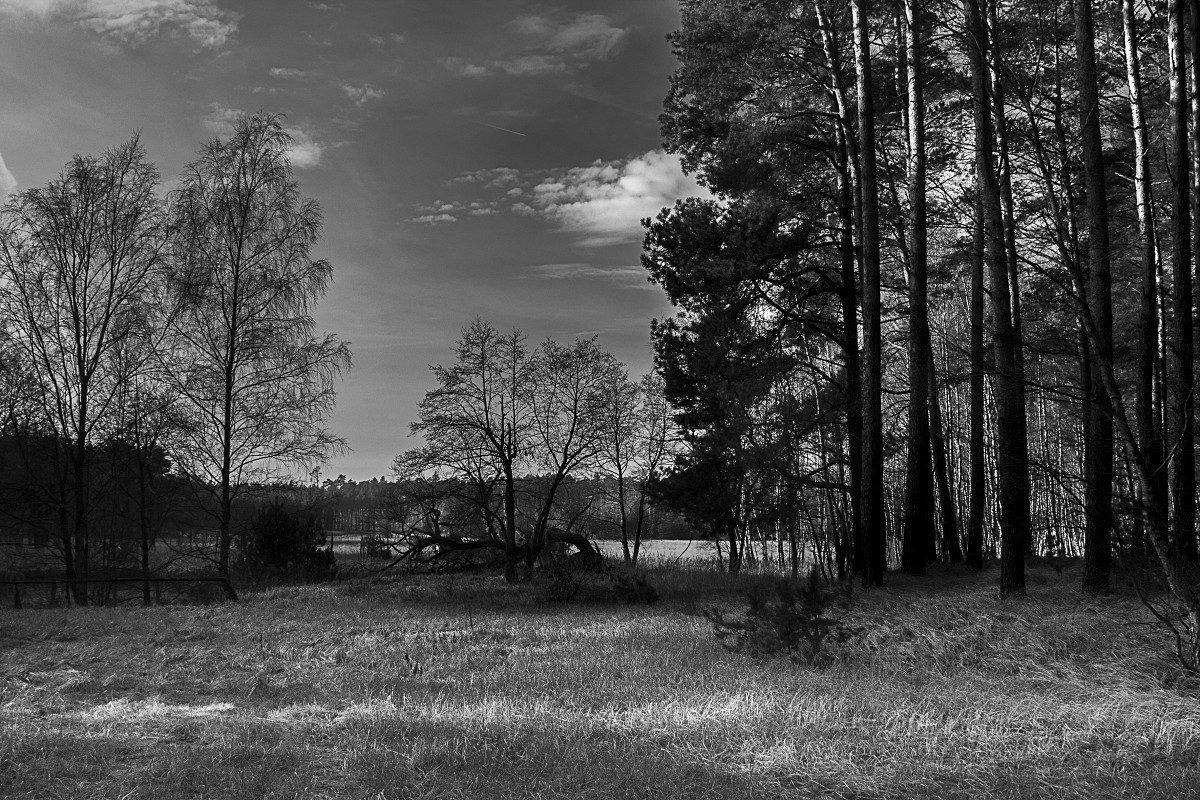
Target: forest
<point x="942" y="301"/>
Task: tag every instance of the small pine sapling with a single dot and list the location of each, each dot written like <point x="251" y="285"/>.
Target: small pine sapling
<point x="796" y="617"/>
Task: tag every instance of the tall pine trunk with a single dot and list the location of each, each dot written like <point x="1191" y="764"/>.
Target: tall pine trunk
<point x="872" y="511"/>
<point x="1098" y="459"/>
<point x="1148" y="400"/>
<point x="919" y="546"/>
<point x="1011" y="456"/>
<point x="1183" y="466"/>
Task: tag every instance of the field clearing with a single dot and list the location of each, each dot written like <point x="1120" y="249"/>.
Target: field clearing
<point x="465" y="687"/>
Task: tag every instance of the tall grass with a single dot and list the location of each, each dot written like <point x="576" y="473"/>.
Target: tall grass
<point x="467" y="687"/>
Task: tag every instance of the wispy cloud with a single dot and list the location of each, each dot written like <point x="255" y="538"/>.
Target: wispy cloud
<point x="587" y="37"/>
<point x="136" y="22"/>
<point x="306" y="151"/>
<point x="290" y="73"/>
<point x="547" y="44"/>
<point x="434" y="219"/>
<point x="380" y="40"/>
<point x="629" y="276"/>
<point x="361" y="95"/>
<point x="8" y="181"/>
<point x="601" y="203"/>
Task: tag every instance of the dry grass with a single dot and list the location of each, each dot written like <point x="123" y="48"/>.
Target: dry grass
<point x="465" y="687"/>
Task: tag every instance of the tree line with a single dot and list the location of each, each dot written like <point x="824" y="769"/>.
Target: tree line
<point x="159" y="350"/>
<point x="941" y="307"/>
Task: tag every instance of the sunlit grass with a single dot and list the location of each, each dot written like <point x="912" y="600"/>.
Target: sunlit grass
<point x="466" y="687"/>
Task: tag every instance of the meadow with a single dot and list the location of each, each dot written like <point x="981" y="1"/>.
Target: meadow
<point x="463" y="686"/>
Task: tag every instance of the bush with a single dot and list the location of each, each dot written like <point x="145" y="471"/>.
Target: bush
<point x="593" y="578"/>
<point x="284" y="544"/>
<point x="799" y="620"/>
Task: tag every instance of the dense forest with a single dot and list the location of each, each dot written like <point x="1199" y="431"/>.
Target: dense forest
<point x="942" y="301"/>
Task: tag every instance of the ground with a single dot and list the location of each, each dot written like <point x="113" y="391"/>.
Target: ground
<point x="466" y="687"/>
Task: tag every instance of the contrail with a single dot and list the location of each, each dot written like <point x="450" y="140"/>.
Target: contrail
<point x="497" y="127"/>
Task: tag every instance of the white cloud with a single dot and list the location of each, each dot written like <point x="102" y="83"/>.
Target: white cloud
<point x="135" y="22"/>
<point x="289" y="73"/>
<point x="306" y="151"/>
<point x="434" y="219"/>
<point x="605" y="201"/>
<point x="8" y="181"/>
<point x="363" y="94"/>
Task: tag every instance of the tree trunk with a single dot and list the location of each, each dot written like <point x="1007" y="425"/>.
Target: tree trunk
<point x="977" y="502"/>
<point x="872" y="510"/>
<point x="849" y="192"/>
<point x="1183" y="466"/>
<point x="1148" y="402"/>
<point x="919" y="546"/>
<point x="951" y="547"/>
<point x="1098" y="468"/>
<point x="1011" y="458"/>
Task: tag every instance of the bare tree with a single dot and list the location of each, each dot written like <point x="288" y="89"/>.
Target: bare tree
<point x="640" y="438"/>
<point x="77" y="260"/>
<point x="568" y="392"/>
<point x="256" y="379"/>
<point x="477" y="424"/>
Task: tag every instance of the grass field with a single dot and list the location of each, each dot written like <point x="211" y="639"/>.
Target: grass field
<point x="465" y="687"/>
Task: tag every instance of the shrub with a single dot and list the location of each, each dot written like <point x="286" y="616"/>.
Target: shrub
<point x="796" y="617"/>
<point x="593" y="578"/>
<point x="284" y="543"/>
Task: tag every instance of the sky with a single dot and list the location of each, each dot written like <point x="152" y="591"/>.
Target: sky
<point x="473" y="158"/>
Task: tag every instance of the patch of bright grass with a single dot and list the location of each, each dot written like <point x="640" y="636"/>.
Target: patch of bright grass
<point x="466" y="687"/>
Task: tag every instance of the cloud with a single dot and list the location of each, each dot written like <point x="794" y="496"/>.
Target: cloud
<point x="290" y="73"/>
<point x="8" y="181"/>
<point x="497" y="177"/>
<point x="434" y="219"/>
<point x="136" y="22"/>
<point x="220" y="120"/>
<point x="547" y="45"/>
<point x="466" y="69"/>
<point x="587" y="37"/>
<point x="306" y="151"/>
<point x="601" y="203"/>
<point x="392" y="38"/>
<point x="605" y="201"/>
<point x="361" y="95"/>
<point x="629" y="276"/>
